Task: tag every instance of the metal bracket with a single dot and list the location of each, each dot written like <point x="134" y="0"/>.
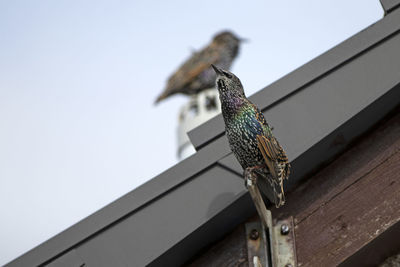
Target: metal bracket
<point x="285" y="246"/>
<point x="257" y="245"/>
<point x="261" y="253"/>
<point x="269" y="244"/>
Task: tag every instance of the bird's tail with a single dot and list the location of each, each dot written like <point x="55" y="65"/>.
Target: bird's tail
<point x="279" y="194"/>
<point x="274" y="189"/>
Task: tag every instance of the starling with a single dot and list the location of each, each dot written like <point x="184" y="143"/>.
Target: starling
<point x="249" y="135"/>
<point x="195" y="75"/>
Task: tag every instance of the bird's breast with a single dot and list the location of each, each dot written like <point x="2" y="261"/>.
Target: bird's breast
<point x="243" y="143"/>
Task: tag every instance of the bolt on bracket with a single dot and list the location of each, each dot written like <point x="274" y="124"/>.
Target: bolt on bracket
<point x="257" y="245"/>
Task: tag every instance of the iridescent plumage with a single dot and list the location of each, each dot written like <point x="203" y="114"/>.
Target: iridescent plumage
<point x="250" y="137"/>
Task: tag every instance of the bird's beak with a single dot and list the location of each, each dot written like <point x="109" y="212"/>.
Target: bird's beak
<point x="244" y="40"/>
<point x="216" y="69"/>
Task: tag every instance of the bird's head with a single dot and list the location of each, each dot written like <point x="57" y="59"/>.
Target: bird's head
<point x="227" y="83"/>
<point x="228" y="38"/>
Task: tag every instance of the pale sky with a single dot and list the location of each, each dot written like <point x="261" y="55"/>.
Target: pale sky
<point x="78" y="128"/>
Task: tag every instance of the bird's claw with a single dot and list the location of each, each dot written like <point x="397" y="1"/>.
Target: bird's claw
<point x="250" y="177"/>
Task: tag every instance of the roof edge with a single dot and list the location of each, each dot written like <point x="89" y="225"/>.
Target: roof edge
<point x="389" y="5"/>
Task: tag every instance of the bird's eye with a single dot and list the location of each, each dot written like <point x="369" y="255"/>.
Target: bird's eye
<point x="228" y="75"/>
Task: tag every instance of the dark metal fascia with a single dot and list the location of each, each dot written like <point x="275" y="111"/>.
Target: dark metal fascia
<point x="389" y="5"/>
<point x="124" y="206"/>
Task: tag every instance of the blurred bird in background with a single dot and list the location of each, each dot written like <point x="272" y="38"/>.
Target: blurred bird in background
<point x="195" y="74"/>
<point x="250" y="137"/>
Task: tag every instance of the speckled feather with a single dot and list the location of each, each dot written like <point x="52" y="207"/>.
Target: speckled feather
<point x="249" y="135"/>
<point x="195" y="74"/>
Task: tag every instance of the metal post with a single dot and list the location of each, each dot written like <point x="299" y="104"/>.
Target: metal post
<point x="281" y="245"/>
<point x="263" y="213"/>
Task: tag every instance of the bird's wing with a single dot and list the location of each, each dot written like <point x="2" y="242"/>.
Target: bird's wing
<point x="189" y="71"/>
<point x="269" y="152"/>
<point x="277" y="163"/>
<point x="192" y="68"/>
<point x="269" y="146"/>
<point x="273" y="153"/>
<point x="261" y="119"/>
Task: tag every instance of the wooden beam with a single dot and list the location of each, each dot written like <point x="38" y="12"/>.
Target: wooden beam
<point x="231" y="251"/>
<point x="351" y="202"/>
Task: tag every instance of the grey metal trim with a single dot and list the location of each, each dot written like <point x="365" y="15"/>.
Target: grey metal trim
<point x="390" y="5"/>
<point x="224" y="222"/>
<point x="69" y="259"/>
<point x="150" y="232"/>
<point x="315" y="110"/>
<point x="124" y="206"/>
